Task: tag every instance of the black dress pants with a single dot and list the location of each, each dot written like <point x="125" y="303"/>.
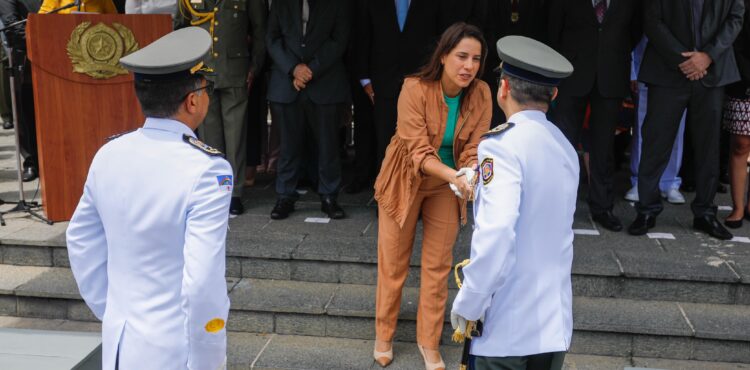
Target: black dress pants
<point x="542" y="361"/>
<point x="385" y="115"/>
<point x="303" y="122"/>
<point x="257" y="119"/>
<point x="666" y="104"/>
<point x="568" y="116"/>
<point x="25" y="109"/>
<point x="365" y="142"/>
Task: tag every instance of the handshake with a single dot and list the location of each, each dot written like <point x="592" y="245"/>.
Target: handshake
<point x="463" y="184"/>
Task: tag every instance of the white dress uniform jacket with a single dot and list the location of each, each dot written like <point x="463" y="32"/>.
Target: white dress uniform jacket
<point x="147" y="248"/>
<point x="522" y="245"/>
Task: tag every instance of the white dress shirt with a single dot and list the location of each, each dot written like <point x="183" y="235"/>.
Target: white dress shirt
<point x="147" y="249"/>
<point x="522" y="245"/>
<point x="151" y="7"/>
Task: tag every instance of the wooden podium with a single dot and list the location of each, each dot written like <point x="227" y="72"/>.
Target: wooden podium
<point x="76" y="112"/>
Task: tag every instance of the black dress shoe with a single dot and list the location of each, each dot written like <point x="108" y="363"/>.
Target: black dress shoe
<point x="711" y="226"/>
<point x="608" y="220"/>
<point x="282" y="209"/>
<point x="641" y="224"/>
<point x="733" y="224"/>
<point x="235" y="206"/>
<point x="29" y="174"/>
<point x="356" y="186"/>
<point x="7" y="124"/>
<point x="331" y="207"/>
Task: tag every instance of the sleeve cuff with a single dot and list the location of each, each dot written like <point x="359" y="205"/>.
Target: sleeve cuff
<point x="471" y="305"/>
<point x="364" y="82"/>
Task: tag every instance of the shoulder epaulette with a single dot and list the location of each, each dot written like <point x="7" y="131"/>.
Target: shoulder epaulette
<point x="499" y="129"/>
<point x="203" y="147"/>
<point x="115" y="136"/>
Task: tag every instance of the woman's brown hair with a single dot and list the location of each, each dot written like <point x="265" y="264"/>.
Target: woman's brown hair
<point x="433" y="70"/>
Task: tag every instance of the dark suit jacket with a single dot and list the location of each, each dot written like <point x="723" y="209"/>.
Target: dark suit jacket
<point x="322" y="49"/>
<point x="384" y="54"/>
<point x="741" y="89"/>
<point x="600" y="53"/>
<point x="469" y="11"/>
<point x="532" y="22"/>
<point x="669" y="27"/>
<point x="15" y="10"/>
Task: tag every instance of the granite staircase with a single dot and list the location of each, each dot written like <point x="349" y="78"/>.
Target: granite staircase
<point x="686" y="298"/>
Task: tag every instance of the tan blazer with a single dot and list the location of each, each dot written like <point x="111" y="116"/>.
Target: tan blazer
<point x="422" y="113"/>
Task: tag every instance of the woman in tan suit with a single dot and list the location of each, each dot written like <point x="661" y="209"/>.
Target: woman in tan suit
<point x="443" y="111"/>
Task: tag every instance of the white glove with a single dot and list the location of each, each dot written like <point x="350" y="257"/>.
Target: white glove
<point x="468" y="174"/>
<point x="458" y="321"/>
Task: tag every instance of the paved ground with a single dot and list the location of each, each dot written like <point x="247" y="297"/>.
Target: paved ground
<point x="273" y="351"/>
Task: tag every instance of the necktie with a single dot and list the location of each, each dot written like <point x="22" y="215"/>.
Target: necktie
<point x="600" y="8"/>
<point x="305" y="16"/>
<point x="402" y="7"/>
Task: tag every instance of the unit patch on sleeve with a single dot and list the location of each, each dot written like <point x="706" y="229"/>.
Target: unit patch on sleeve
<point x="225" y="182"/>
<point x="487" y="170"/>
<point x="215" y="325"/>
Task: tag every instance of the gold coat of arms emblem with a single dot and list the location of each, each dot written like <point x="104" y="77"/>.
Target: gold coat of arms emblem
<point x="96" y="51"/>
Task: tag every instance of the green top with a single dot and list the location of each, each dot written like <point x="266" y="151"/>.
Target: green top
<point x="446" y="147"/>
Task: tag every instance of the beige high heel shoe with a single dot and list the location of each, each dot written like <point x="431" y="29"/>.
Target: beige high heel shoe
<point x="431" y="365"/>
<point x="383" y="358"/>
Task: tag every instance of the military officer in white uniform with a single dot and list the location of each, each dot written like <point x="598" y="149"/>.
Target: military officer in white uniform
<point x="147" y="240"/>
<point x="522" y="245"/>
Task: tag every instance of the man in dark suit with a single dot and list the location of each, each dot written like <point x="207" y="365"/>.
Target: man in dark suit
<point x="688" y="61"/>
<point x="365" y="150"/>
<point x="510" y="17"/>
<point x="395" y="38"/>
<point x="12" y="11"/>
<point x="307" y="40"/>
<point x="469" y="11"/>
<point x="597" y="36"/>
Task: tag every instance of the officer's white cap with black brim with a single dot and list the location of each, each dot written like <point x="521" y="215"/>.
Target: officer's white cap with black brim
<point x="533" y="61"/>
<point x="174" y="56"/>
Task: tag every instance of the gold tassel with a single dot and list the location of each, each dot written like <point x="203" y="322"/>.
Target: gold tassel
<point x="201" y="18"/>
<point x="458" y="336"/>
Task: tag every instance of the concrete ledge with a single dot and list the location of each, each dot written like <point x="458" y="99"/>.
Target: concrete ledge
<point x="293" y="307"/>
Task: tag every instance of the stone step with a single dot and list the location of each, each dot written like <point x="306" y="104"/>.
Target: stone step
<point x="603" y="326"/>
<point x="276" y="351"/>
<point x="640" y="271"/>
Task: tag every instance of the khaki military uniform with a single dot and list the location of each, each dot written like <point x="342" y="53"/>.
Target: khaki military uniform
<point x="232" y="55"/>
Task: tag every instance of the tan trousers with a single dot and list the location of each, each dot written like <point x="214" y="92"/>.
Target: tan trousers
<point x="440" y="218"/>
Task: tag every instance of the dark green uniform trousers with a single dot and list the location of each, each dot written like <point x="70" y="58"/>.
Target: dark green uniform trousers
<point x="225" y="129"/>
<point x="542" y="361"/>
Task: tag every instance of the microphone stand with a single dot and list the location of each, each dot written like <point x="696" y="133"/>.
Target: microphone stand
<point x="22" y="205"/>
